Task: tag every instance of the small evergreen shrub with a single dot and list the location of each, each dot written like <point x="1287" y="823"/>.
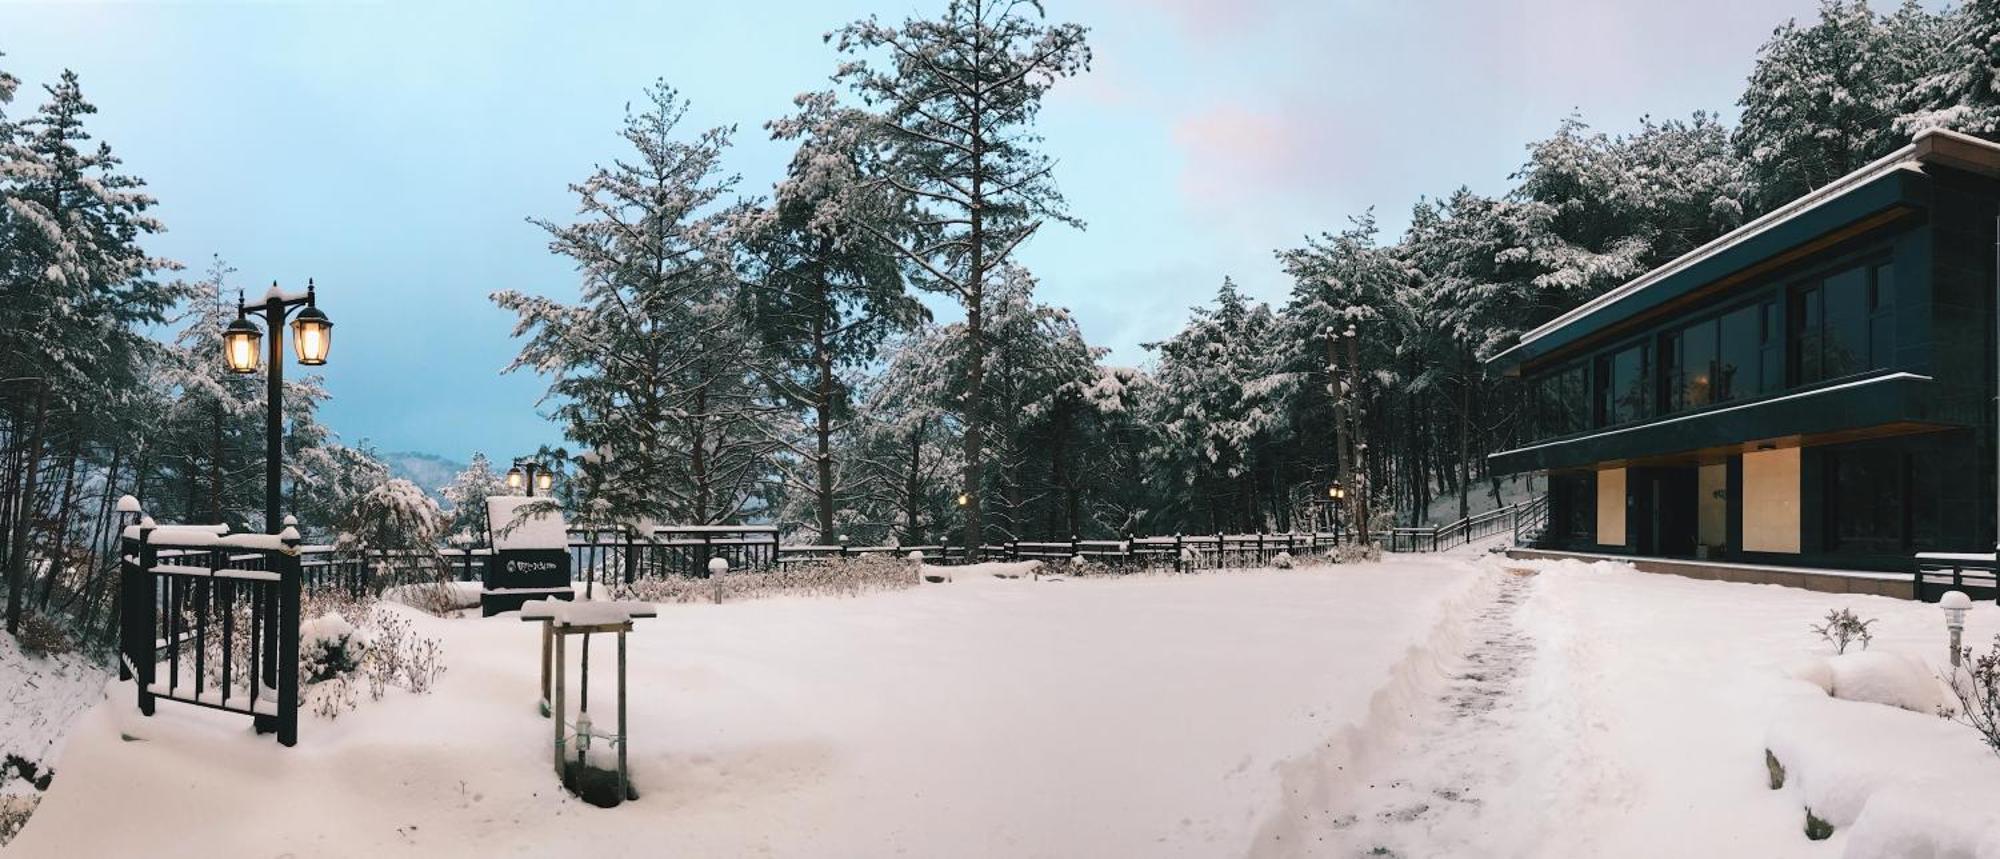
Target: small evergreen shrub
<point x="1843" y="628"/>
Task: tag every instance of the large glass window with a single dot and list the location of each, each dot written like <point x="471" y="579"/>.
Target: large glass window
<point x="1690" y="360"/>
<point x="1562" y="401"/>
<point x="1624" y="388"/>
<point x="1845" y="324"/>
<point x="1866" y="501"/>
<point x="1740" y="354"/>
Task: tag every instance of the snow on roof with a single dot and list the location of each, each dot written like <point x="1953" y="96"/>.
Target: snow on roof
<point x="514" y="528"/>
<point x="1932" y="145"/>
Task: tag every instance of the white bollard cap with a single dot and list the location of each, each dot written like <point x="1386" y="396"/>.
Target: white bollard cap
<point x="717" y="566"/>
<point x="1955" y="600"/>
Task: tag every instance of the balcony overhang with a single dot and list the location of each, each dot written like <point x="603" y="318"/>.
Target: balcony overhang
<point x="1896" y="403"/>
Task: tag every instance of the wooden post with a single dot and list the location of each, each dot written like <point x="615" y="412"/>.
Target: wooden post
<point x="556" y="703"/>
<point x="1180" y="564"/>
<point x="548" y="633"/>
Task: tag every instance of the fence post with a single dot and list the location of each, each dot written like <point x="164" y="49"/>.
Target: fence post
<point x="288" y="642"/>
<point x="1073" y="550"/>
<point x="1013" y="550"/>
<point x="139" y="617"/>
<point x="1262" y="558"/>
<point x="631" y="553"/>
<point x="1179" y="554"/>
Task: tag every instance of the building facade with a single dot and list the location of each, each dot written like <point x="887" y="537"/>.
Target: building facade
<point x="1815" y="388"/>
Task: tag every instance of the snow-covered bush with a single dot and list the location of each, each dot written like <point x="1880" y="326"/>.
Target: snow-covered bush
<point x="329" y="646"/>
<point x="1976" y="685"/>
<point x="1842" y="628"/>
<point x="850" y="576"/>
<point x="1354" y="553"/>
<point x="381" y="650"/>
<point x="1282" y="561"/>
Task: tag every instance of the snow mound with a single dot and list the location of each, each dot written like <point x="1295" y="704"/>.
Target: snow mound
<point x="1898" y="783"/>
<point x="987" y="570"/>
<point x="1878" y="677"/>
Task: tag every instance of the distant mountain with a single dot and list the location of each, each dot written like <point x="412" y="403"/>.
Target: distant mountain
<point x="428" y="471"/>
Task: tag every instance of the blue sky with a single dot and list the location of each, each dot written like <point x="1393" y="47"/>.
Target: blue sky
<point x="393" y="150"/>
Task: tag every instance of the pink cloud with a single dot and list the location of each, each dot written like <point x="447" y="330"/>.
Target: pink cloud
<point x="1237" y="154"/>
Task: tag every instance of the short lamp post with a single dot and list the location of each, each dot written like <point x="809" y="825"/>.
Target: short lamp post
<point x="1955" y="605"/>
<point x="530" y="475"/>
<point x="312" y="337"/>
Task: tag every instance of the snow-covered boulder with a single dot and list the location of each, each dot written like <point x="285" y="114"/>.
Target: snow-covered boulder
<point x="1898" y="783"/>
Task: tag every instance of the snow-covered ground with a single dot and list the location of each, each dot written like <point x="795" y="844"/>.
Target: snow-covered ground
<point x="1423" y="706"/>
<point x="1106" y="717"/>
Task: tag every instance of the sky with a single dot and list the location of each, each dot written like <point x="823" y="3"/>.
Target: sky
<point x="393" y="151"/>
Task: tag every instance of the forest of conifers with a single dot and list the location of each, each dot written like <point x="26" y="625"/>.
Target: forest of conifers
<point x="761" y="354"/>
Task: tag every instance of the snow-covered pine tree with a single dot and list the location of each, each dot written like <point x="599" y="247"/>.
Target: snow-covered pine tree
<point x="907" y="437"/>
<point x="1344" y="287"/>
<point x="467" y="494"/>
<point x="823" y="289"/>
<point x="958" y="96"/>
<point x="1820" y="102"/>
<point x="655" y="371"/>
<point x="1035" y="374"/>
<point x="74" y="287"/>
<point x="211" y="434"/>
<point x="1221" y="385"/>
<point x="1951" y="64"/>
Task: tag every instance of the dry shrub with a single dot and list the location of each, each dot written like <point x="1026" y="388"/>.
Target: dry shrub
<point x="40" y="635"/>
<point x="828" y="577"/>
<point x="15" y="808"/>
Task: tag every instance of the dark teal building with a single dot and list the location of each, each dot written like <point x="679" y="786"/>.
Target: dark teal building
<point x="1815" y="388"/>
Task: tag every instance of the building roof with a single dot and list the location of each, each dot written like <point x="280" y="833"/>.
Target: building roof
<point x="1895" y="182"/>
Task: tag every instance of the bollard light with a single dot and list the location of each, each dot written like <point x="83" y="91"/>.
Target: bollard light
<point x="717" y="566"/>
<point x="1955" y="605"/>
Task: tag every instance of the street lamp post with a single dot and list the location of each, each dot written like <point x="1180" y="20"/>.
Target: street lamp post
<point x="312" y="336"/>
<point x="530" y="474"/>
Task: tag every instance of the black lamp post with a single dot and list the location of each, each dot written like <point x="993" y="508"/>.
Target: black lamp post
<point x="312" y="336"/>
<point x="531" y="475"/>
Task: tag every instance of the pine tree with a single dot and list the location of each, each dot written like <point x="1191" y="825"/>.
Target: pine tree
<point x="1951" y="63"/>
<point x="655" y="371"/>
<point x="823" y="290"/>
<point x="1820" y="103"/>
<point x="959" y="98"/>
<point x="1221" y="382"/>
<point x="467" y="494"/>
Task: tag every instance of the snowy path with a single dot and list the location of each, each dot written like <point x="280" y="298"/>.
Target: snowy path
<point x="1429" y="799"/>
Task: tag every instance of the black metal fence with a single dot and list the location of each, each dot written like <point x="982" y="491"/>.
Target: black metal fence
<point x="213" y="621"/>
<point x="1978" y="575"/>
<point x="1520" y="519"/>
